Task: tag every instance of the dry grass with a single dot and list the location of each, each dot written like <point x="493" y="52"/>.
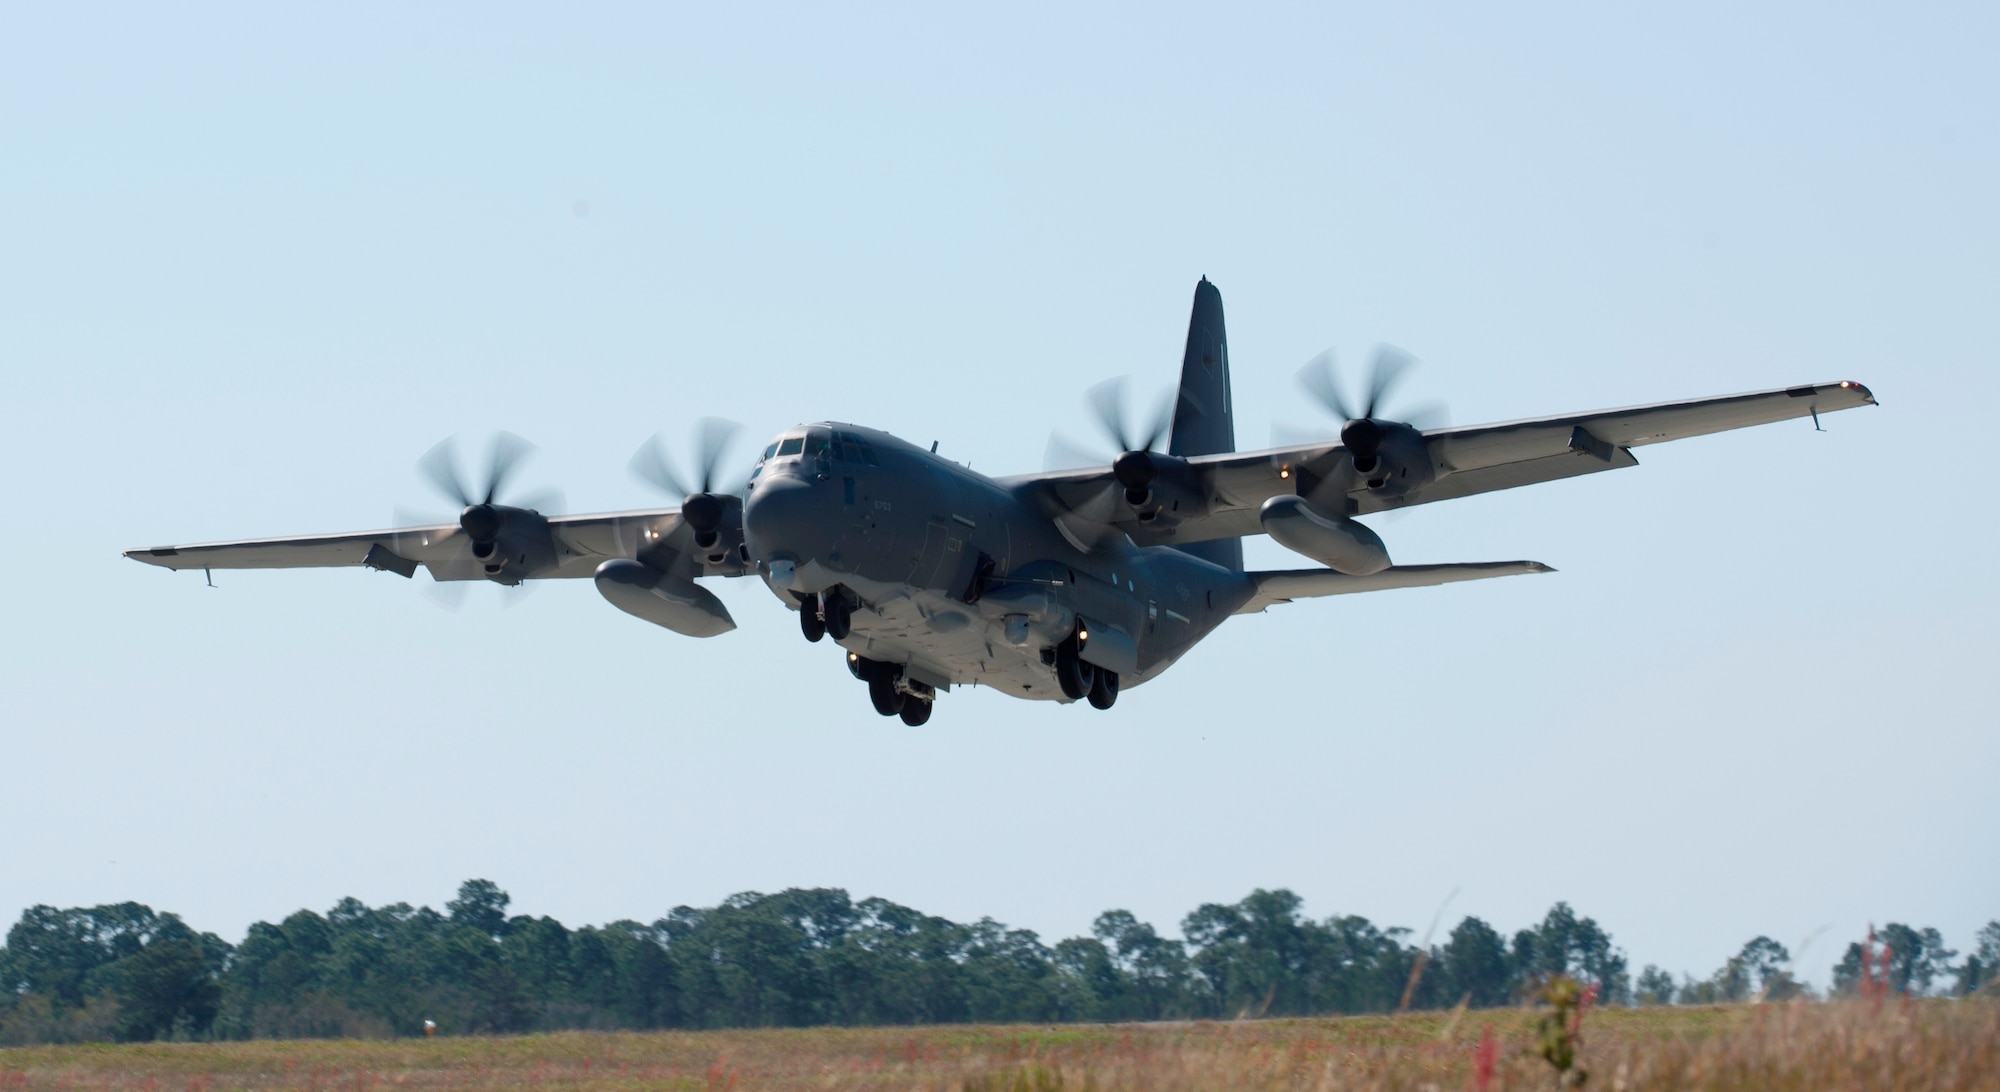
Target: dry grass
<point x="1913" y="1045"/>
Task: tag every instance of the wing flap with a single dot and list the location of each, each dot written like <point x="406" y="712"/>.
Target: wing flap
<point x="1283" y="586"/>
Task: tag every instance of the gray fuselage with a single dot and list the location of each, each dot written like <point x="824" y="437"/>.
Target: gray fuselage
<point x="957" y="576"/>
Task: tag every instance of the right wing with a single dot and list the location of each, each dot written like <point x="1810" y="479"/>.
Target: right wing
<point x="576" y="545"/>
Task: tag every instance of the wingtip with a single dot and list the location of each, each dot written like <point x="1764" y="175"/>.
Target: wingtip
<point x="1538" y="567"/>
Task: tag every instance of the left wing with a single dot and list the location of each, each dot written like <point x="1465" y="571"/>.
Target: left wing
<point x="1283" y="586"/>
<point x="1218" y="496"/>
<point x="557" y="547"/>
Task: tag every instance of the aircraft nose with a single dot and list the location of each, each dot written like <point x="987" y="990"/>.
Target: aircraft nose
<point x="779" y="517"/>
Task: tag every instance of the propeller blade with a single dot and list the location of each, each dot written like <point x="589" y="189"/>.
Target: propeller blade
<point x="1285" y="434"/>
<point x="1107" y="401"/>
<point x="1087" y="524"/>
<point x="1385" y="373"/>
<point x="546" y="502"/>
<point x="650" y="465"/>
<point x="513" y="595"/>
<point x="1425" y="416"/>
<point x="1061" y="454"/>
<point x="448" y="595"/>
<point x="508" y="451"/>
<point x="1163" y="420"/>
<point x="712" y="437"/>
<point x="1318" y="378"/>
<point x="439" y="466"/>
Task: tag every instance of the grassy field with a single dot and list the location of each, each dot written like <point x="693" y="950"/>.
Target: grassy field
<point x="1901" y="1045"/>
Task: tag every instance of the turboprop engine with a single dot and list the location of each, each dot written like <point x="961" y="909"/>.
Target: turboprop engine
<point x="510" y="542"/>
<point x="677" y="603"/>
<point x="1389" y="457"/>
<point x="1339" y="543"/>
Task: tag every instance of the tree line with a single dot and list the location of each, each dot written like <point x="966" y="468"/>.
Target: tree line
<point x="815" y="956"/>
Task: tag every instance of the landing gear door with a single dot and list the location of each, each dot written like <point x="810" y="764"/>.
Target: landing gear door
<point x="1109" y="647"/>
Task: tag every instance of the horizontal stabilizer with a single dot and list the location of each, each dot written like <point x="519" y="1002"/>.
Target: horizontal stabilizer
<point x="1283" y="586"/>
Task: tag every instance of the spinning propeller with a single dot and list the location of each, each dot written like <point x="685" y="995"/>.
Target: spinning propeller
<point x="1134" y="465"/>
<point x="1366" y="425"/>
<point x="702" y="507"/>
<point x="483" y="515"/>
<point x="1134" y="468"/>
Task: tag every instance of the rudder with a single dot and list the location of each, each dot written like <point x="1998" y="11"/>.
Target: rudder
<point x="1203" y="422"/>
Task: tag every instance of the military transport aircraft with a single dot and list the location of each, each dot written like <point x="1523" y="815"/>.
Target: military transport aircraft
<point x="1063" y="585"/>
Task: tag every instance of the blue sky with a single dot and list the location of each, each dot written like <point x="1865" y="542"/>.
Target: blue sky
<point x="258" y="261"/>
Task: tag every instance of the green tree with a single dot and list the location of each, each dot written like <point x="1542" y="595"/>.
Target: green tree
<point x="536" y="951"/>
<point x="1257" y="956"/>
<point x="1155" y="969"/>
<point x="1917" y="957"/>
<point x="1983" y="965"/>
<point x="143" y="975"/>
<point x="55" y="953"/>
<point x="1473" y="964"/>
<point x="1565" y="944"/>
<point x="1654" y="986"/>
<point x="168" y="987"/>
<point x="1907" y="959"/>
<point x="481" y="906"/>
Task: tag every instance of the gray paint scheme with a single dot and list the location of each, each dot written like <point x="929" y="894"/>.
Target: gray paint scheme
<point x="1204" y="419"/>
<point x="961" y="579"/>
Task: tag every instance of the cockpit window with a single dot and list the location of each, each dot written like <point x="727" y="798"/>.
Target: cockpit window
<point x="791" y="445"/>
<point x="768" y="452"/>
<point x="849" y="447"/>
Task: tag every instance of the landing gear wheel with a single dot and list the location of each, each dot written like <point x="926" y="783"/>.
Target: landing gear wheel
<point x="839" y="617"/>
<point x="888" y="700"/>
<point x="810" y="622"/>
<point x="1104" y="690"/>
<point x="915" y="711"/>
<point x="1074" y="676"/>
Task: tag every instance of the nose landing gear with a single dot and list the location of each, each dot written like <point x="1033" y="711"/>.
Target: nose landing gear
<point x="811" y="623"/>
<point x="838" y="611"/>
<point x="829" y="615"/>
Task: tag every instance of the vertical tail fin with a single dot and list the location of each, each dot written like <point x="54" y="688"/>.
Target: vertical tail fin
<point x="1203" y="422"/>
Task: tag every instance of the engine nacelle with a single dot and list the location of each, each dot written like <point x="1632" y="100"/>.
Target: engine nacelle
<point x="680" y="605"/>
<point x="1337" y="542"/>
<point x="1394" y="459"/>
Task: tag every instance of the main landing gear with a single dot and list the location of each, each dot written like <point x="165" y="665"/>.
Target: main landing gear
<point x="892" y="691"/>
<point x="1080" y="680"/>
<point x="831" y="615"/>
